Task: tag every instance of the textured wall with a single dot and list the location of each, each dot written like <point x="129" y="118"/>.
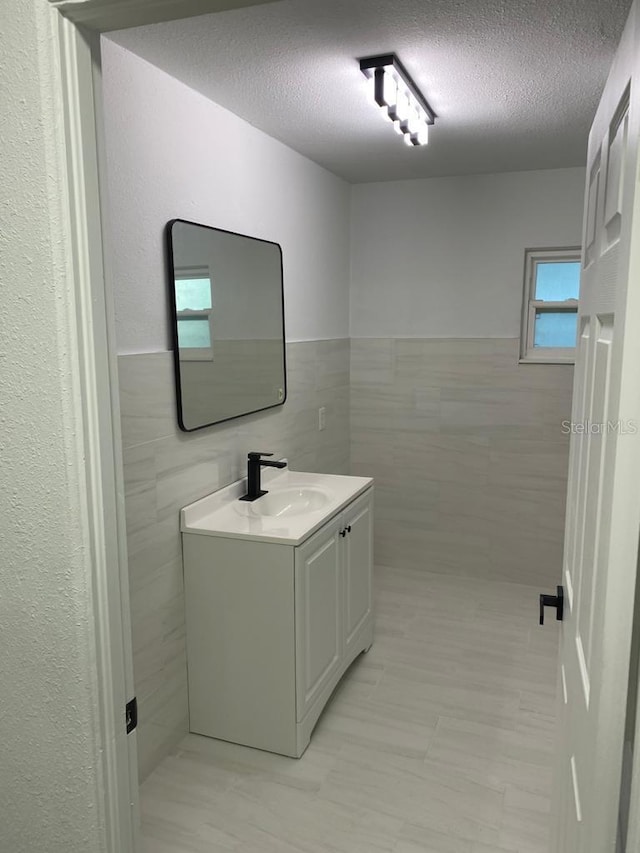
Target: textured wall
<point x="467" y="450"/>
<point x="49" y="765"/>
<point x="445" y="257"/>
<point x="166" y="469"/>
<point x="173" y="153"/>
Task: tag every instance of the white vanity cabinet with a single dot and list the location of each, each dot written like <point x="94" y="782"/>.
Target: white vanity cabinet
<point x="333" y="602"/>
<point x="272" y="627"/>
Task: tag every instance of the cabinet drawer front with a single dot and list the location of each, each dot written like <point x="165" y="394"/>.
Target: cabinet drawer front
<point x="318" y="614"/>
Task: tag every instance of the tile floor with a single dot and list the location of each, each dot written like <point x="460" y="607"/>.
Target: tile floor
<point x="439" y="740"/>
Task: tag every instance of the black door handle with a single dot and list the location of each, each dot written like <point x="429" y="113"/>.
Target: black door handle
<point x="343" y="532"/>
<point x="556" y="601"/>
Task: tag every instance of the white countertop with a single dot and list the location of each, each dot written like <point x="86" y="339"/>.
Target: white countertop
<point x="223" y="514"/>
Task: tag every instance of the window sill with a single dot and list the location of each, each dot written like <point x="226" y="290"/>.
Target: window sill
<point x="547" y="359"/>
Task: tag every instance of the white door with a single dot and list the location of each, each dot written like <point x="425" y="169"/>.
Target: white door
<point x="318" y="614"/>
<point x="603" y="508"/>
<point x="357" y="527"/>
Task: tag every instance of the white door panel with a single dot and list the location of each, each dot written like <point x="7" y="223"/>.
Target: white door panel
<point x="603" y="506"/>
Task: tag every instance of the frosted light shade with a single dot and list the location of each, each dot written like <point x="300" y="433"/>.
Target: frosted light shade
<point x="389" y="89"/>
<point x="423" y="134"/>
<point x="402" y="106"/>
<point x="414" y="120"/>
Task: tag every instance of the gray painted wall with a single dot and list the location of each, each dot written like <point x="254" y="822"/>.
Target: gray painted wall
<point x="444" y="257"/>
<point x="173" y="153"/>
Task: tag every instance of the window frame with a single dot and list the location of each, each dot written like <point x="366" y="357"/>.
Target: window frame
<point x="544" y="355"/>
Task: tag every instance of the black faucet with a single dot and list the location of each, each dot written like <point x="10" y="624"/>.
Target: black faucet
<point x="254" y="464"/>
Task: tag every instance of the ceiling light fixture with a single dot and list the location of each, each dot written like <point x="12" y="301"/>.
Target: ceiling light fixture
<point x="399" y="98"/>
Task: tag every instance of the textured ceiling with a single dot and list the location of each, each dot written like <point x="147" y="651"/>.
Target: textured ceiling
<point x="514" y="83"/>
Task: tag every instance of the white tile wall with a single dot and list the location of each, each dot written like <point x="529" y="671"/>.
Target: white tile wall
<point x="468" y="453"/>
<point x="465" y="445"/>
<point x="165" y="469"/>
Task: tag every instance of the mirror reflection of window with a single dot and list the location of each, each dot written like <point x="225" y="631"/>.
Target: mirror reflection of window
<point x="194" y="310"/>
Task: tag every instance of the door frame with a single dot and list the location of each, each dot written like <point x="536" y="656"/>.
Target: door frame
<point x="73" y="74"/>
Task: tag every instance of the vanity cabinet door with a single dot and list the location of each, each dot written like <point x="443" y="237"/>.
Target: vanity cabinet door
<point x="357" y="545"/>
<point x="318" y="593"/>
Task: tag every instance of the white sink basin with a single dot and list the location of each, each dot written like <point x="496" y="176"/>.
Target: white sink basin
<point x="297" y="504"/>
<point x="283" y="503"/>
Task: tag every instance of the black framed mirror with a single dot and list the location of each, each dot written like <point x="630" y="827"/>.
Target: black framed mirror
<point x="227" y="307"/>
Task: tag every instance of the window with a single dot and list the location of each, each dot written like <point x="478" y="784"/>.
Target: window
<point x="194" y="311"/>
<point x="550" y="306"/>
